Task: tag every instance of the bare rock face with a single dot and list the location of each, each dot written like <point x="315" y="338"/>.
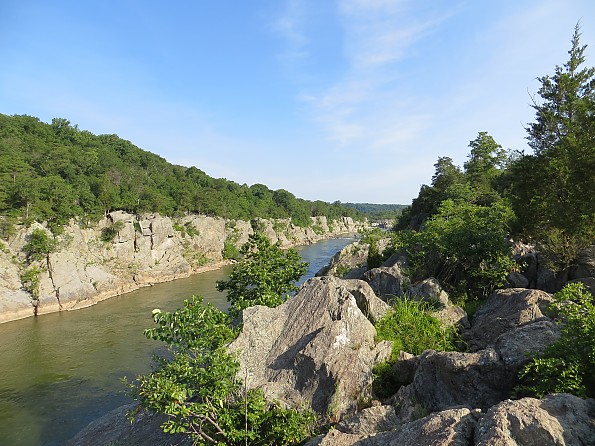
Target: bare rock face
<point x="114" y="428"/>
<point x="554" y="420"/>
<point x="316" y="350"/>
<point x="388" y="282"/>
<point x="585" y="264"/>
<point x="370" y="421"/>
<point x="372" y="307"/>
<point x="452" y="427"/>
<point x="449" y="379"/>
<point x="503" y="311"/>
<point x="515" y="345"/>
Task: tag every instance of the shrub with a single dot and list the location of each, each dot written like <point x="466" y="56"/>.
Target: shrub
<point x="567" y="365"/>
<point x="39" y="245"/>
<point x="109" y="233"/>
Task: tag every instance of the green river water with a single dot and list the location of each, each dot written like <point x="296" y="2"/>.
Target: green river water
<point x="60" y="371"/>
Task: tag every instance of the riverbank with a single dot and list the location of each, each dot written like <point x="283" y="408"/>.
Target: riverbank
<point x="86" y="266"/>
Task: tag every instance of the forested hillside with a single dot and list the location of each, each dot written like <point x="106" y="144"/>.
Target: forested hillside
<point x="378" y="211"/>
<point x="54" y="172"/>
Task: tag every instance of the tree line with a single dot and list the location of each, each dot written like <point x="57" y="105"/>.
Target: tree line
<point x="54" y="172"/>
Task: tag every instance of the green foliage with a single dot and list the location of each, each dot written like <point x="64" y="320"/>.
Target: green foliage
<point x="30" y="281"/>
<point x="7" y="227"/>
<point x="567" y="365"/>
<point x="464" y="246"/>
<point x="186" y="229"/>
<point x="375" y="257"/>
<point x="552" y="190"/>
<point x="411" y="328"/>
<point x="194" y="257"/>
<point x="109" y="233"/>
<point x="39" y="245"/>
<point x="230" y="251"/>
<point x="55" y="172"/>
<point x="198" y="389"/>
<point x="378" y="211"/>
<point x="265" y="275"/>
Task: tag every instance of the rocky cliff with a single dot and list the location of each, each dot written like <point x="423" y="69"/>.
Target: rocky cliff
<point x="124" y="252"/>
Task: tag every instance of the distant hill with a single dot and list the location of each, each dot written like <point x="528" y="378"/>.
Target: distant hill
<point x="54" y="172"/>
<point x="378" y="211"/>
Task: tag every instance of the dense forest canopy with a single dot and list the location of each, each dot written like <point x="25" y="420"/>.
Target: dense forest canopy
<point x="378" y="211"/>
<point x="54" y="172"/>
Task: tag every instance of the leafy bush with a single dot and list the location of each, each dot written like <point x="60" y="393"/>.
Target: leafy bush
<point x="30" y="281"/>
<point x="39" y="245"/>
<point x="198" y="389"/>
<point x="567" y="365"/>
<point x="109" y="233"/>
<point x="265" y="276"/>
<point x="464" y="245"/>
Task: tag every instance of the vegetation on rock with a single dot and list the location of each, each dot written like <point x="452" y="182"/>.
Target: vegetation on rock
<point x="197" y="385"/>
<point x="567" y="365"/>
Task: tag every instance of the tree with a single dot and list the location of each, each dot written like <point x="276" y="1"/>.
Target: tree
<point x="486" y="160"/>
<point x="552" y="189"/>
<point x="265" y="276"/>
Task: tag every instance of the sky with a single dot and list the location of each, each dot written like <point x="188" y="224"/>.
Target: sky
<point x="350" y="100"/>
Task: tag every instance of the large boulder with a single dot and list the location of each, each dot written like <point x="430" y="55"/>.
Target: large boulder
<point x="504" y="310"/>
<point x="114" y="428"/>
<point x="429" y="290"/>
<point x="316" y="350"/>
<point x="388" y="282"/>
<point x="554" y="420"/>
<point x="444" y="380"/>
<point x="452" y="427"/>
<point x="372" y="307"/>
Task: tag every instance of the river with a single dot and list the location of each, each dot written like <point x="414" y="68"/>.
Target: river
<point x="60" y="371"/>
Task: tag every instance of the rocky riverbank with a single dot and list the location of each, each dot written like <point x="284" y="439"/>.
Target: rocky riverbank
<point x="124" y="252"/>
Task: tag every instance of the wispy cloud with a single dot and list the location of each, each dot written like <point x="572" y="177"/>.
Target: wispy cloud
<point x="368" y="105"/>
<point x="289" y="25"/>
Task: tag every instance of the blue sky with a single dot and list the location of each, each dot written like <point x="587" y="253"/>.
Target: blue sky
<point x="350" y="100"/>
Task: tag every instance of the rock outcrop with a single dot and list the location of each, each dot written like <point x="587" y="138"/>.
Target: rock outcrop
<point x="316" y="350"/>
<point x="86" y="267"/>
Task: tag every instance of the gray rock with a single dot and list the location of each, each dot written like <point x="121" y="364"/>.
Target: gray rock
<point x="503" y="311"/>
<point x="517" y="280"/>
<point x="370" y="421"/>
<point x="114" y="428"/>
<point x="555" y="420"/>
<point x="585" y="264"/>
<point x="452" y="315"/>
<point x="388" y="283"/>
<point x="372" y="307"/>
<point x="348" y="263"/>
<point x="444" y="380"/>
<point x="452" y="427"/>
<point x="517" y="345"/>
<point x="317" y="349"/>
<point x="429" y="290"/>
